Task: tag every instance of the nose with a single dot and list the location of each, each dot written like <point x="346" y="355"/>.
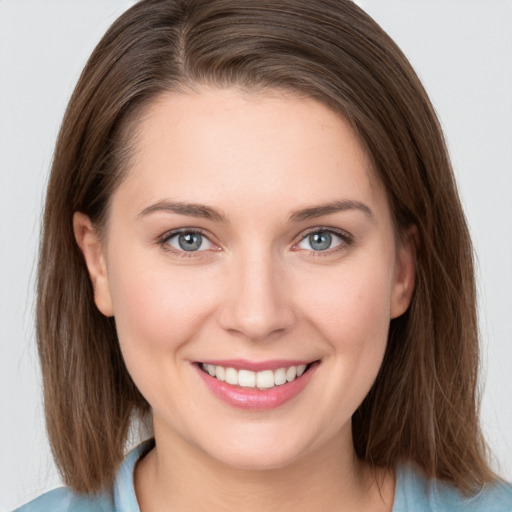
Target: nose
<point x="258" y="303"/>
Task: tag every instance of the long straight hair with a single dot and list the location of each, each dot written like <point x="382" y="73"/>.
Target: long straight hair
<point x="423" y="406"/>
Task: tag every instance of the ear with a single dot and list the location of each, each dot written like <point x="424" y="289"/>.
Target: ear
<point x="405" y="270"/>
<point x="92" y="249"/>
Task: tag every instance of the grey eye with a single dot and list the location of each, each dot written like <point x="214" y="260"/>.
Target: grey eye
<point x="189" y="241"/>
<point x="320" y="241"/>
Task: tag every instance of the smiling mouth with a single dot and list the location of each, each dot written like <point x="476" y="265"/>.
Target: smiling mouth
<point x="263" y="380"/>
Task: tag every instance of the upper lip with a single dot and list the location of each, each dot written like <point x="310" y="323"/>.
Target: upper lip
<point x="256" y="366"/>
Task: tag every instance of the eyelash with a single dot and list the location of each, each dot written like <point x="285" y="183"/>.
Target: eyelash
<point x="165" y="238"/>
<point x="346" y="241"/>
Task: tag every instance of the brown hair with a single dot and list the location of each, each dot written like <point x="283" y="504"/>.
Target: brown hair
<point x="423" y="405"/>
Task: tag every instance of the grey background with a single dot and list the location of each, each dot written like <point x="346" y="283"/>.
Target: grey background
<point x="462" y="49"/>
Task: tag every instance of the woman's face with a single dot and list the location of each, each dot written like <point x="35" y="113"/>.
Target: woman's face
<point x="249" y="235"/>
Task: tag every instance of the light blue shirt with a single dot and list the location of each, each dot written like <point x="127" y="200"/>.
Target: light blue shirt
<point x="413" y="493"/>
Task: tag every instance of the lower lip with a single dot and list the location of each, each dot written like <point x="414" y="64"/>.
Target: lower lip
<point x="257" y="399"/>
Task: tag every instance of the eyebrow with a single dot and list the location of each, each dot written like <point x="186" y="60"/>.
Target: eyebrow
<point x="329" y="208"/>
<point x="190" y="209"/>
<point x="209" y="213"/>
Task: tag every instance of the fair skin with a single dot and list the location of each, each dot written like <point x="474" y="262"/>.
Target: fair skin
<point x="263" y="283"/>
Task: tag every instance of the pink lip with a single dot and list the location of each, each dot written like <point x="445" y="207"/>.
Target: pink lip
<point x="256" y="399"/>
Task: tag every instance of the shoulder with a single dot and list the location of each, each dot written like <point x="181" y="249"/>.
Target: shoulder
<point x="416" y="493"/>
<point x="496" y="497"/>
<point x="65" y="500"/>
<point x="121" y="497"/>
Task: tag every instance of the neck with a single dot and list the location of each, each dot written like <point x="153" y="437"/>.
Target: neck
<point x="177" y="476"/>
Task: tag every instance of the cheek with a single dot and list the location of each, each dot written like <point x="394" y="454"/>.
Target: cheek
<point x="353" y="316"/>
<point x="156" y="307"/>
<point x="353" y="307"/>
<point x="158" y="311"/>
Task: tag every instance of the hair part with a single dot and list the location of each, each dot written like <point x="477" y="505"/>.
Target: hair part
<point x="423" y="406"/>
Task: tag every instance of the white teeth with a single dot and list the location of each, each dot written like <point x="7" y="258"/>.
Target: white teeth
<point x="301" y="369"/>
<point x="231" y="376"/>
<point x="280" y="376"/>
<point x="265" y="379"/>
<point x="291" y="373"/>
<point x="220" y="373"/>
<point x="246" y="379"/>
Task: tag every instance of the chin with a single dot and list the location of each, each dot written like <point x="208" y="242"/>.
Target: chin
<point x="270" y="459"/>
<point x="259" y="451"/>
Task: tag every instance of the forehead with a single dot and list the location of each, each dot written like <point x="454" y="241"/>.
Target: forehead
<point x="215" y="145"/>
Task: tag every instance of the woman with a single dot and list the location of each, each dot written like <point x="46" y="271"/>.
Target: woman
<point x="253" y="238"/>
